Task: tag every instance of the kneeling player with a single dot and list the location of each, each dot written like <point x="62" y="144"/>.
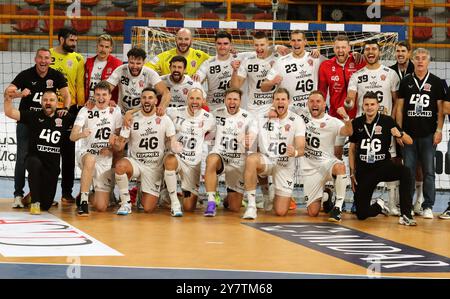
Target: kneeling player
<point x="235" y="132"/>
<point x="192" y="125"/>
<point x="319" y="163"/>
<point x="281" y="139"/>
<point x="95" y="127"/>
<point x="146" y="137"/>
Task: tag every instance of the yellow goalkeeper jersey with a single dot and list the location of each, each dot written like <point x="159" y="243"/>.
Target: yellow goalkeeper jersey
<point x="71" y="65"/>
<point x="160" y="63"/>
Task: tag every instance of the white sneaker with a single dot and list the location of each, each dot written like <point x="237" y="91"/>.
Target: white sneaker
<point x="17" y="204"/>
<point x="124" y="209"/>
<point x="268" y="203"/>
<point x="428" y="214"/>
<point x="418" y="208"/>
<point x="384" y="209"/>
<point x="393" y="209"/>
<point x="250" y="213"/>
<point x="175" y="210"/>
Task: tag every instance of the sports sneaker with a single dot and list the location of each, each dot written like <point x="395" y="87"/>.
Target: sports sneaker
<point x="268" y="203"/>
<point x="384" y="209"/>
<point x="83" y="209"/>
<point x="217" y="198"/>
<point x="328" y="204"/>
<point x="26" y="200"/>
<point x="210" y="209"/>
<point x="17" y="204"/>
<point x="35" y="208"/>
<point x="250" y="213"/>
<point x="292" y="204"/>
<point x="418" y="210"/>
<point x="124" y="209"/>
<point x="427" y="213"/>
<point x="175" y="210"/>
<point x="446" y="214"/>
<point x="55" y="203"/>
<point x="393" y="209"/>
<point x="408" y="221"/>
<point x="335" y="215"/>
<point x="67" y="198"/>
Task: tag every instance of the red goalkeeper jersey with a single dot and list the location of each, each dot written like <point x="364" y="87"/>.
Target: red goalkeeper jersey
<point x="333" y="79"/>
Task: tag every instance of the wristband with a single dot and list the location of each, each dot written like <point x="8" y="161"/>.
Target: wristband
<point x="438" y="130"/>
<point x="295" y="153"/>
<point x="348" y="105"/>
<point x="347" y="118"/>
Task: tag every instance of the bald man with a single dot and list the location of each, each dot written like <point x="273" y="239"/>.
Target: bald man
<point x="183" y="41"/>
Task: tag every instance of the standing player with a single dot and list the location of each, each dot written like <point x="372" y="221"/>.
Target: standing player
<point x="95" y="127"/>
<point x="146" y="137"/>
<point x="178" y="83"/>
<point x="420" y="114"/>
<point x="384" y="82"/>
<point x="45" y="128"/>
<point x="253" y="70"/>
<point x="298" y="72"/>
<point x="370" y="161"/>
<point x="236" y="130"/>
<point x="33" y="82"/>
<point x="192" y="125"/>
<point x="101" y="66"/>
<point x="319" y="165"/>
<point x="280" y="140"/>
<point x="71" y="64"/>
<point x="132" y="78"/>
<point x="217" y="71"/>
<point x="183" y="41"/>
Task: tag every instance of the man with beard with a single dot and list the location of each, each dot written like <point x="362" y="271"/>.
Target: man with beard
<point x="71" y="64"/>
<point x="183" y="41"/>
<point x="319" y="165"/>
<point x="192" y="125"/>
<point x="384" y="82"/>
<point x="236" y="130"/>
<point x="298" y="72"/>
<point x="178" y="83"/>
<point x="45" y="128"/>
<point x="101" y="66"/>
<point x="95" y="126"/>
<point x="280" y="141"/>
<point x="33" y="82"/>
<point x="132" y="78"/>
<point x="146" y="138"/>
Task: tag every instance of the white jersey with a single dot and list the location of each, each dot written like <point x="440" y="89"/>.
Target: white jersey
<point x="147" y="136"/>
<point x="300" y="76"/>
<point x="130" y="87"/>
<point x="96" y="76"/>
<point x="230" y="135"/>
<point x="102" y="124"/>
<point x="218" y="75"/>
<point x="382" y="81"/>
<point x="255" y="70"/>
<point x="320" y="138"/>
<point x="191" y="131"/>
<point x="179" y="91"/>
<point x="275" y="135"/>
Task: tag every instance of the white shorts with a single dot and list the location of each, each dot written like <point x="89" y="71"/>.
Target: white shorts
<point x="234" y="175"/>
<point x="150" y="177"/>
<point x="189" y="175"/>
<point x="103" y="179"/>
<point x="314" y="181"/>
<point x="283" y="177"/>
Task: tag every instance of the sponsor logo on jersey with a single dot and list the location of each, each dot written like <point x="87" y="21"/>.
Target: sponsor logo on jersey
<point x="49" y="83"/>
<point x="193" y="62"/>
<point x="427" y="87"/>
<point x="58" y="122"/>
<point x="69" y="63"/>
<point x="287" y="127"/>
<point x="378" y="130"/>
<point x="158" y="120"/>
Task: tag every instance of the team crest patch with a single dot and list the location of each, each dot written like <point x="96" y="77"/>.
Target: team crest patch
<point x="351" y="65"/>
<point x="383" y="77"/>
<point x="427" y="87"/>
<point x="158" y="120"/>
<point x="378" y="130"/>
<point x="109" y="71"/>
<point x="322" y="125"/>
<point x="58" y="122"/>
<point x="141" y="83"/>
<point x="49" y="83"/>
<point x="193" y="63"/>
<point x="69" y="63"/>
<point x="240" y="124"/>
<point x="310" y="62"/>
<point x="185" y="91"/>
<point x="287" y="127"/>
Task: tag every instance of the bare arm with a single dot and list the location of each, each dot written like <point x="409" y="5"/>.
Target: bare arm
<point x="162" y="89"/>
<point x="10" y="111"/>
<point x="66" y="96"/>
<point x="77" y="133"/>
<point x="446" y="107"/>
<point x="352" y="164"/>
<point x="350" y="100"/>
<point x="236" y="80"/>
<point x="394" y="105"/>
<point x="347" y="129"/>
<point x="437" y="138"/>
<point x="267" y="85"/>
<point x="399" y="112"/>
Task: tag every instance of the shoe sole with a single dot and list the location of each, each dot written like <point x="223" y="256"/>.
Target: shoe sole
<point x="209" y="215"/>
<point x="177" y="215"/>
<point x="248" y="218"/>
<point x="17" y="207"/>
<point x="123" y="214"/>
<point x="83" y="215"/>
<point x="334" y="220"/>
